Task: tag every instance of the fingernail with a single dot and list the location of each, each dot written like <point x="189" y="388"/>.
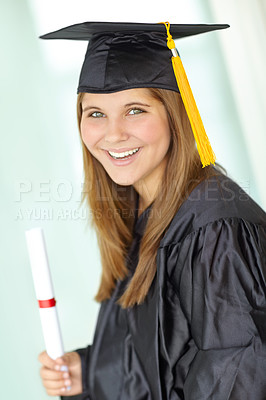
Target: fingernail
<point x="63" y="368"/>
<point x="65" y="375"/>
<point x="57" y="367"/>
<point x="63" y="389"/>
<point x="67" y="382"/>
<point x="68" y="388"/>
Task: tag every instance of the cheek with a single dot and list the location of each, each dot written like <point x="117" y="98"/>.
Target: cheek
<point x="156" y="131"/>
<point x="88" y="135"/>
<point x="83" y="131"/>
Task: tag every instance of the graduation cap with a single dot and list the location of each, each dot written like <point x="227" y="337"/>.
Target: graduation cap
<point x="124" y="56"/>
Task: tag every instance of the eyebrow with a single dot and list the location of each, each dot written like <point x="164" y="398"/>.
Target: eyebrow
<point x="89" y="108"/>
<point x="134" y="103"/>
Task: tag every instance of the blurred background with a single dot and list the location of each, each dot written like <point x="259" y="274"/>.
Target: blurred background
<point x="41" y="162"/>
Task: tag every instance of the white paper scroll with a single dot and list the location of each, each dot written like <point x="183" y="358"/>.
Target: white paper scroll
<point x="44" y="292"/>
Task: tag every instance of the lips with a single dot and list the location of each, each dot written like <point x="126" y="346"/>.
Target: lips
<point x="123" y="158"/>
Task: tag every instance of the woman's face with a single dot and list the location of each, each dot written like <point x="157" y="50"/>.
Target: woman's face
<point x="128" y="133"/>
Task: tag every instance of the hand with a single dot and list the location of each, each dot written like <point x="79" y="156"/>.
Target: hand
<point x="63" y="376"/>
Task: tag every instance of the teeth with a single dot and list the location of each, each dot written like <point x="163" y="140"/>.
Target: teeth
<point x="124" y="154"/>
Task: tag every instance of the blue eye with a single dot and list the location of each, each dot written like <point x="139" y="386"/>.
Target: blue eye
<point x="97" y="114"/>
<point x="135" y="111"/>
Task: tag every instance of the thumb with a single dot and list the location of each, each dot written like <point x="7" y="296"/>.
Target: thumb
<point x="61" y="364"/>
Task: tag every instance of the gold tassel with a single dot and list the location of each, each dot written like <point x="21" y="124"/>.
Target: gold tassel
<point x="206" y="153"/>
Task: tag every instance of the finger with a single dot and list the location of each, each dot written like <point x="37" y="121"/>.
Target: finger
<point x="46" y="360"/>
<point x="61" y="360"/>
<point x="61" y="364"/>
<point x="56" y="385"/>
<point x="68" y="358"/>
<point x="58" y="392"/>
<point x="51" y="374"/>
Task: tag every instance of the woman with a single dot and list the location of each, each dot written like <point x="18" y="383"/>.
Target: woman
<point x="182" y="247"/>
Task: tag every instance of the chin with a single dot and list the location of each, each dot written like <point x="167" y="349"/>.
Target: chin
<point x="122" y="181"/>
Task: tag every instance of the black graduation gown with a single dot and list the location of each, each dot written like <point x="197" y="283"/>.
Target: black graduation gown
<point x="200" y="333"/>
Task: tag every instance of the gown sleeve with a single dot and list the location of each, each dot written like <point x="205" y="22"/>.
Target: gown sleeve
<point x="220" y="281"/>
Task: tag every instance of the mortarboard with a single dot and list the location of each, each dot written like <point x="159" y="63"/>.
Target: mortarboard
<point x="123" y="56"/>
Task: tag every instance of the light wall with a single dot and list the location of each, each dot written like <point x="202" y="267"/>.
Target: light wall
<point x="41" y="165"/>
<point x="245" y="58"/>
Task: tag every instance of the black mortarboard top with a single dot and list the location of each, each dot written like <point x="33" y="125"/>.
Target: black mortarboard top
<point x="123" y="56"/>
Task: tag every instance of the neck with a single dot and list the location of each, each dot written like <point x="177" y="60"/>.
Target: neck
<point x="143" y="204"/>
<point x="147" y="189"/>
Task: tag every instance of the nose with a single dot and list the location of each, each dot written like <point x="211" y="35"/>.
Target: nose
<point x="115" y="131"/>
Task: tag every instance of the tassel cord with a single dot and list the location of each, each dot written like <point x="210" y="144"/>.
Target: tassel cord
<point x="205" y="151"/>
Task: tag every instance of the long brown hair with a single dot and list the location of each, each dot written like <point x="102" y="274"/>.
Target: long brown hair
<point x="113" y="205"/>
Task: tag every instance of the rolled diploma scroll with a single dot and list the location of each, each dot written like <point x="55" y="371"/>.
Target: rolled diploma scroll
<point x="44" y="292"/>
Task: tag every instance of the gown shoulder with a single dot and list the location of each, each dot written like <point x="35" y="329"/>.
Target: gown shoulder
<point x="216" y="199"/>
<point x="212" y="266"/>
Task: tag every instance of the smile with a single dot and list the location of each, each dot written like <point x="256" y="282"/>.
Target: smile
<point x="123" y="155"/>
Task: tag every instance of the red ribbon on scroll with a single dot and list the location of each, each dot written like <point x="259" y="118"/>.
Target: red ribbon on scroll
<point x="47" y="303"/>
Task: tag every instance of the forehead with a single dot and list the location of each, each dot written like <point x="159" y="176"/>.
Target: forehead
<point x="140" y="94"/>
